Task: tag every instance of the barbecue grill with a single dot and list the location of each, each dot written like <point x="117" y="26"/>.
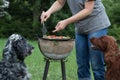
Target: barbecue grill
<point x="55" y="49"/>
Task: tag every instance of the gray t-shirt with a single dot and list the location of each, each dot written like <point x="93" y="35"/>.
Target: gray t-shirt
<point x="97" y="20"/>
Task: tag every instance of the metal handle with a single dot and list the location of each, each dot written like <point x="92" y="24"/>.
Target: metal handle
<point x="44" y="29"/>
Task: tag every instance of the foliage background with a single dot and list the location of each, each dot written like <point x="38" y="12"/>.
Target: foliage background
<point x="24" y="15"/>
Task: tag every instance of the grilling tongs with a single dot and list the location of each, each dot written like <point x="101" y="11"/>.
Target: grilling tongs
<point x="44" y="29"/>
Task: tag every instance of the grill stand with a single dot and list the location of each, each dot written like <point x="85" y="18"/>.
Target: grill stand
<point x="62" y="69"/>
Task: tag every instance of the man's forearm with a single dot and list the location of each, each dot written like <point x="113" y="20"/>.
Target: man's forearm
<point x="78" y="16"/>
<point x="55" y="7"/>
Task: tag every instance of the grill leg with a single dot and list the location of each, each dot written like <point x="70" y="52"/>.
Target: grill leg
<point x="46" y="69"/>
<point x="63" y="70"/>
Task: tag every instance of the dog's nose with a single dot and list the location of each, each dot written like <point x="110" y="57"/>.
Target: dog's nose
<point x="32" y="47"/>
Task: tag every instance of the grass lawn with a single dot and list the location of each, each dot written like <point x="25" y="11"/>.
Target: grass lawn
<point x="36" y="63"/>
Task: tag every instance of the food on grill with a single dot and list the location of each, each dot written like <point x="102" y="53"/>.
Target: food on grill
<point x="56" y="37"/>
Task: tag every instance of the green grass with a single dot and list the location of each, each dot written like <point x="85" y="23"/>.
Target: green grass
<point x="35" y="63"/>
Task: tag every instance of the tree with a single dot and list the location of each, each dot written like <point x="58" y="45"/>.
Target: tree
<point x="112" y="8"/>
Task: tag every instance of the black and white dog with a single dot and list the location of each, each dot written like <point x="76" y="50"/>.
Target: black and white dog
<point x="12" y="66"/>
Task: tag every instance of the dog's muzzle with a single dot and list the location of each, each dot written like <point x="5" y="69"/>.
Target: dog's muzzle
<point x="30" y="49"/>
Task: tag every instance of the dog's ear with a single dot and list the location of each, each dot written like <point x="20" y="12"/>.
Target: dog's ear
<point x="112" y="38"/>
<point x="8" y="51"/>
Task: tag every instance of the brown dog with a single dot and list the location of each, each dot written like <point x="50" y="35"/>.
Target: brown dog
<point x="109" y="46"/>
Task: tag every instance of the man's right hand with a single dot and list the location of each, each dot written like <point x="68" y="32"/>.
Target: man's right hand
<point x="44" y="16"/>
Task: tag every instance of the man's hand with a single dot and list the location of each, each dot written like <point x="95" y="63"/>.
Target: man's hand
<point x="60" y="26"/>
<point x="44" y="16"/>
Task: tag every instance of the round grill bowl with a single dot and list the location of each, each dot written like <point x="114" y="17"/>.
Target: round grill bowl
<point x="56" y="48"/>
